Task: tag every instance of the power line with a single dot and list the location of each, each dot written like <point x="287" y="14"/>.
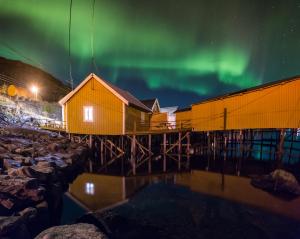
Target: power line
<point x="70" y="60"/>
<point x="18" y="53"/>
<point x="93" y="63"/>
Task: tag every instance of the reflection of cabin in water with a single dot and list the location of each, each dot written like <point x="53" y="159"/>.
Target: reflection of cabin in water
<point x="97" y="107"/>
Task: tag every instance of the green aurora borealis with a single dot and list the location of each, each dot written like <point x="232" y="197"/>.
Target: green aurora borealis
<point x="180" y="51"/>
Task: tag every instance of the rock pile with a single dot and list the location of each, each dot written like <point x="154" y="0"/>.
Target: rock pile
<point x="35" y="170"/>
<point x="279" y="182"/>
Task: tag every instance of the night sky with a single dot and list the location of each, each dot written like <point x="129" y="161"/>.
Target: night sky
<point x="179" y="51"/>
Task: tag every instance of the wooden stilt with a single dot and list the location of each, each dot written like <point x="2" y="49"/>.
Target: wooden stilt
<point x="101" y="152"/>
<point x="188" y="149"/>
<point x="150" y="150"/>
<point x="208" y="150"/>
<point x="111" y="150"/>
<point x="90" y="141"/>
<point x="133" y="154"/>
<point x="291" y="145"/>
<point x="280" y="150"/>
<point x="261" y="144"/>
<point x="164" y="152"/>
<point x="241" y="152"/>
<point x="214" y="148"/>
<point x="179" y="150"/>
<point x="224" y="163"/>
<point x="133" y="150"/>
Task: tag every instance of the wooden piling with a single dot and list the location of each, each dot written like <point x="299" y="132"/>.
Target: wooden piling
<point x="150" y="150"/>
<point x="188" y="149"/>
<point x="208" y="150"/>
<point x="224" y="162"/>
<point x="179" y="150"/>
<point x="164" y="152"/>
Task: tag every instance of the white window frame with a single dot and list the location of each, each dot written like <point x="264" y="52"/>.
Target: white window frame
<point x="88" y="114"/>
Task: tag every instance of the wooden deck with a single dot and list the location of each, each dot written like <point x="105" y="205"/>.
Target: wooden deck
<point x="53" y="125"/>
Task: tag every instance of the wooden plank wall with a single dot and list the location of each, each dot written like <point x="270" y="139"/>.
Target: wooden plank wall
<point x="108" y="111"/>
<point x="133" y="116"/>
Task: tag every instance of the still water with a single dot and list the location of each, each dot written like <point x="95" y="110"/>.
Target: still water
<point x="188" y="205"/>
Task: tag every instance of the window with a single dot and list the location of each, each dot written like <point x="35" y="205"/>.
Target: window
<point x="142" y="117"/>
<point x="88" y="114"/>
<point x="89" y="188"/>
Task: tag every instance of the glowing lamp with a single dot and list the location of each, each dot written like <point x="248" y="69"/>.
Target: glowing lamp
<point x="34" y="90"/>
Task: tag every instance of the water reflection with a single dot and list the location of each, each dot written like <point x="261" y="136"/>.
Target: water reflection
<point x="97" y="191"/>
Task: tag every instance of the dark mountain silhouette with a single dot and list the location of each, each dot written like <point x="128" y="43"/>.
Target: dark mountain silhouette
<point x="24" y="75"/>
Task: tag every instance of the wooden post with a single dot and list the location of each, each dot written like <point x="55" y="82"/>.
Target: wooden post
<point x="122" y="159"/>
<point x="133" y="154"/>
<point x="280" y="150"/>
<point x="225" y="119"/>
<point x="208" y="150"/>
<point x="214" y="148"/>
<point x="90" y="141"/>
<point x="111" y="149"/>
<point x="101" y="152"/>
<point x="261" y="144"/>
<point x="179" y="150"/>
<point x="164" y="152"/>
<point x="294" y="133"/>
<point x="188" y="149"/>
<point x="149" y="148"/>
<point x="133" y="150"/>
<point x="224" y="161"/>
<point x="241" y="152"/>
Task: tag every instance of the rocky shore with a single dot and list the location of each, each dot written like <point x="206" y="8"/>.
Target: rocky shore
<point x="36" y="168"/>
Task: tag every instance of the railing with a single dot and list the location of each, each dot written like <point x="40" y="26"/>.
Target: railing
<point x="55" y="125"/>
<point x="170" y="125"/>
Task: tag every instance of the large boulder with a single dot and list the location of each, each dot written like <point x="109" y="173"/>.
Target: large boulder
<point x="279" y="182"/>
<point x="75" y="231"/>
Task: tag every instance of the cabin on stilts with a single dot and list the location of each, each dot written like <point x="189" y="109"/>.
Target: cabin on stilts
<point x="257" y="123"/>
<point x="97" y="107"/>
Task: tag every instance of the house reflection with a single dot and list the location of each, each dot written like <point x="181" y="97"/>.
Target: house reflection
<point x="100" y="191"/>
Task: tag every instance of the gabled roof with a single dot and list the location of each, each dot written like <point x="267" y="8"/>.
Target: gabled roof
<point x="150" y="103"/>
<point x="248" y="90"/>
<point x="123" y="95"/>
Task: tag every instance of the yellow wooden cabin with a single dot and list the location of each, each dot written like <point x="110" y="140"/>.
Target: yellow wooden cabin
<point x="98" y="107"/>
<point x="274" y="105"/>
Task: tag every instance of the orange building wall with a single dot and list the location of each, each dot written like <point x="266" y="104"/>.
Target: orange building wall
<point x="183" y="119"/>
<point x="133" y="116"/>
<point x="158" y="121"/>
<point x="277" y="106"/>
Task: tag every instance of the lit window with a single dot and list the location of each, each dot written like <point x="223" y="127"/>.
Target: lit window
<point x="89" y="188"/>
<point x="88" y="114"/>
<point x="142" y="117"/>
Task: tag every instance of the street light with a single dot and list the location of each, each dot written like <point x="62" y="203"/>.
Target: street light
<point x="34" y="90"/>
